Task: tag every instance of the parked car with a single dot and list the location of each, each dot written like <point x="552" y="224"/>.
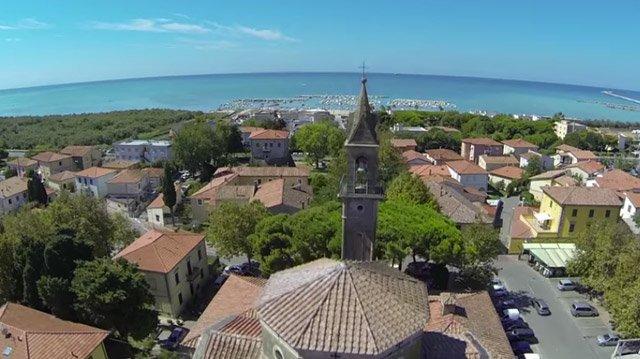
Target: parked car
<point x="607" y="340"/>
<point x="174" y="338"/>
<point x="540" y="306"/>
<point x="515" y="324"/>
<point x="220" y="280"/>
<point x="495" y="280"/>
<point x="418" y="269"/>
<point x="247" y="268"/>
<point x="499" y="290"/>
<point x="505" y="304"/>
<point x="511" y="313"/>
<point x="521" y="348"/>
<point x="520" y="334"/>
<point x="583" y="309"/>
<point x="566" y="284"/>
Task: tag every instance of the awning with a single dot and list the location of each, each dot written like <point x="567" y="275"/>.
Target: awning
<point x="541" y="216"/>
<point x="552" y="255"/>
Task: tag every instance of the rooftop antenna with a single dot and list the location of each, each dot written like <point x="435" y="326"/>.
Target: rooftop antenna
<point x="364" y="76"/>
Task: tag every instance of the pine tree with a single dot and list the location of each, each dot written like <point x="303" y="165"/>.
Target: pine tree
<point x="35" y="188"/>
<point x="169" y="190"/>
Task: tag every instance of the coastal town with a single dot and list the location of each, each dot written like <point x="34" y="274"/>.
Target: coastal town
<point x="262" y="233"/>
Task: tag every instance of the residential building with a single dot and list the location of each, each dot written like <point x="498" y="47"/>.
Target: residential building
<point x="506" y="175"/>
<point x="566" y="211"/>
<point x="585" y="170"/>
<point x="428" y="171"/>
<point x="546" y="162"/>
<point x="278" y="197"/>
<point x="564" y="127"/>
<point x="441" y="155"/>
<point x="29" y="333"/>
<point x="490" y="163"/>
<point x="174" y="264"/>
<point x="155" y="175"/>
<point x="13" y="194"/>
<point x="294" y="176"/>
<point x="129" y="184"/>
<point x="404" y="144"/>
<point x="50" y="163"/>
<point x="567" y="155"/>
<point x="144" y="151"/>
<point x="457" y="204"/>
<point x="93" y="181"/>
<point x="22" y="165"/>
<point x="83" y="156"/>
<point x="630" y="205"/>
<point x="617" y="180"/>
<point x="269" y="145"/>
<point x="473" y="148"/>
<point x="158" y="213"/>
<point x="468" y="174"/>
<point x="415" y="158"/>
<point x="64" y="180"/>
<point x="537" y="182"/>
<point x="517" y="147"/>
<point x="246" y="131"/>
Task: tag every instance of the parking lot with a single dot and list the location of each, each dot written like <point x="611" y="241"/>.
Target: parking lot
<point x="559" y="335"/>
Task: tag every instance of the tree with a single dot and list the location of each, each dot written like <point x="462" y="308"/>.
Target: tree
<point x="318" y="140"/>
<point x="534" y="167"/>
<point x="390" y="162"/>
<point x="114" y="295"/>
<point x="230" y="226"/>
<point x="35" y="189"/>
<point x="169" y="190"/>
<point x="410" y="188"/>
<point x="9" y="172"/>
<point x="195" y="147"/>
<point x="438" y="138"/>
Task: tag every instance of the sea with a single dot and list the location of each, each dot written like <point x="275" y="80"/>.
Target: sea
<point x="325" y="90"/>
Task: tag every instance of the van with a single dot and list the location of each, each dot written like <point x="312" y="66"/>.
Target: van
<point x="583" y="309"/>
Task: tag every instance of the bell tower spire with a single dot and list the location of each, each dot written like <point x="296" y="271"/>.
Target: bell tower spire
<point x="360" y="191"/>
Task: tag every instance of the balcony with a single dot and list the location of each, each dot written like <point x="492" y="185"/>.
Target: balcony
<point x="540" y="222"/>
<point x="195" y="273"/>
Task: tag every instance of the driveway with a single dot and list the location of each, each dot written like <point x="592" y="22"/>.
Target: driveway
<point x="508" y="206"/>
<point x="560" y="335"/>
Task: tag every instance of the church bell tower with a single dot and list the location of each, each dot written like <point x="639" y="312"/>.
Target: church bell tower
<point x="360" y="191"/>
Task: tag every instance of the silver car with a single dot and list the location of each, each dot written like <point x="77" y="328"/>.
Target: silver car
<point x="608" y="340"/>
<point x="566" y="284"/>
<point x="583" y="309"/>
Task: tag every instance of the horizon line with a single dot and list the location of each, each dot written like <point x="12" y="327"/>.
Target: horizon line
<point x="303" y="72"/>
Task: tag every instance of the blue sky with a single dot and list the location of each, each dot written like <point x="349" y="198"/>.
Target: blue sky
<point x="568" y="41"/>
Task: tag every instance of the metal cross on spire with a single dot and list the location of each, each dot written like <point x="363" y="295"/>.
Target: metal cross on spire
<point x="363" y="67"/>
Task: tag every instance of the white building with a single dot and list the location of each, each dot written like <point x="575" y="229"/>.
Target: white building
<point x="93" y="181"/>
<point x="468" y="174"/>
<point x="143" y="151"/>
<point x="631" y="204"/>
<point x="564" y="127"/>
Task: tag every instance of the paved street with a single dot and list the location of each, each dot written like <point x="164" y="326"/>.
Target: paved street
<point x="508" y="205"/>
<point x="560" y="335"/>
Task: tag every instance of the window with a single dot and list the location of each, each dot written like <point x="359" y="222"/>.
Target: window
<point x="59" y="163"/>
<point x="91" y="181"/>
<point x="201" y="273"/>
<point x="157" y="218"/>
<point x="199" y="202"/>
<point x="189" y="269"/>
<point x="199" y="254"/>
<point x="607" y="213"/>
<point x="279" y="144"/>
<point x="591" y="212"/>
<point x="9" y="200"/>
<point x="180" y="298"/>
<point x="572" y="227"/>
<point x="177" y="278"/>
<point x="574" y="212"/>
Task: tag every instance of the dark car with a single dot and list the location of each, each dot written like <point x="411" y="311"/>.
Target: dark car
<point x="176" y="335"/>
<point x="519" y="334"/>
<point x="418" y="269"/>
<point x="540" y="306"/>
<point x="505" y="304"/>
<point x="516" y="324"/>
<point x="521" y="347"/>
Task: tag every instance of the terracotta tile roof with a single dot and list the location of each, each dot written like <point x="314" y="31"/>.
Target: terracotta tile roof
<point x="158" y="202"/>
<point x="548" y="175"/>
<point x="634" y="197"/>
<point x="77" y="151"/>
<point x="581" y="155"/>
<point x="95" y="172"/>
<point x="49" y="157"/>
<point x="519" y="229"/>
<point x="443" y="154"/>
<point x="456" y="205"/>
<point x="154" y="172"/>
<point x="510" y="172"/>
<point x="62" y="176"/>
<point x="237" y="337"/>
<point x="412" y="155"/>
<point x="471" y="330"/>
<point x="343" y="307"/>
<point x="403" y="142"/>
<point x="583" y="196"/>
<point x="210" y="190"/>
<point x="160" y="252"/>
<point x="120" y="164"/>
<point x="237" y="295"/>
<point x="590" y="166"/>
<point x="430" y="170"/>
<point x="12" y="186"/>
<point x="505" y="160"/>
<point x="128" y="176"/>
<point x="275" y="193"/>
<point x="300" y="171"/>
<point x="23" y="162"/>
<point x="519" y="143"/>
<point x="37" y="335"/>
<point x="465" y="167"/>
<point x="618" y="180"/>
<point x="250" y="129"/>
<point x="566" y="180"/>
<point x="482" y="141"/>
<point x="566" y="148"/>
<point x="269" y="135"/>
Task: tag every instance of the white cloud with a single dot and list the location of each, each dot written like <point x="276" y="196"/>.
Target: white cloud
<point x="25" y="24"/>
<point x="151" y="25"/>
<point x="13" y="39"/>
<point x="206" y="44"/>
<point x="264" y="34"/>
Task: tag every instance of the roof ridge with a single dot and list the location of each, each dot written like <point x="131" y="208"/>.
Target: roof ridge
<point x="364" y="313"/>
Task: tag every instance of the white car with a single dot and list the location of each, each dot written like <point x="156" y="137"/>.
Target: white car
<point x="499" y="290"/>
<point x="566" y="284"/>
<point x="511" y="313"/>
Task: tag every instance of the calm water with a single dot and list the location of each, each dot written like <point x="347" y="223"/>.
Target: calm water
<point x="208" y="92"/>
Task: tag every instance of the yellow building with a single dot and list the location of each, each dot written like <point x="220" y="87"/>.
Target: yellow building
<point x="174" y="264"/>
<point x="563" y="213"/>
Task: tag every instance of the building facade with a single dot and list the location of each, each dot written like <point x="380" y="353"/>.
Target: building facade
<point x="143" y="151"/>
<point x="269" y="145"/>
<point x="93" y="181"/>
<point x="473" y="148"/>
<point x="50" y="163"/>
<point x="13" y="194"/>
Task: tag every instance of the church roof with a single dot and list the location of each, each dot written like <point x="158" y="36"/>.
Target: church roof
<point x="363" y="130"/>
<point x="344" y="307"/>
